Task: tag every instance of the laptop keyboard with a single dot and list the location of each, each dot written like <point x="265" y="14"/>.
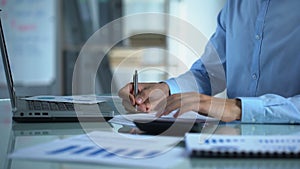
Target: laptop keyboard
<point x="54" y="106"/>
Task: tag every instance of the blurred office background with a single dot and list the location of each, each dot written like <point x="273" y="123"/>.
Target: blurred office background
<point x="45" y="37"/>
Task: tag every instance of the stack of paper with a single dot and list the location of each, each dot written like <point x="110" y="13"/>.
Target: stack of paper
<point x="127" y="119"/>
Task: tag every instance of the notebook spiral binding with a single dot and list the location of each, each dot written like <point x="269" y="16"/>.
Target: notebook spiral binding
<point x="229" y="154"/>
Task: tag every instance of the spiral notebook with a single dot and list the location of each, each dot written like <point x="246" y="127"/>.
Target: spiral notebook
<point x="201" y="145"/>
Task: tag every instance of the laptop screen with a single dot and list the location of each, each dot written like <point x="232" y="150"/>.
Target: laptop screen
<point x="7" y="69"/>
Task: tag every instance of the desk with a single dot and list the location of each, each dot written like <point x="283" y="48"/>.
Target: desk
<point x="18" y="135"/>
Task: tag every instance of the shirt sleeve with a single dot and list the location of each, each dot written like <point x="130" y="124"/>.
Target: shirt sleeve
<point x="207" y="74"/>
<point x="271" y="108"/>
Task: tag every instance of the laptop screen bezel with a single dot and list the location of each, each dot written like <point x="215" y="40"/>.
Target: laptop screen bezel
<point x="6" y="65"/>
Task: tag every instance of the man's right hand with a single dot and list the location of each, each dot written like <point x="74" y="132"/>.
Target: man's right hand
<point x="149" y="95"/>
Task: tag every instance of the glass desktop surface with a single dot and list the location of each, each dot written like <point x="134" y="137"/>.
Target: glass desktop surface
<point x="19" y="135"/>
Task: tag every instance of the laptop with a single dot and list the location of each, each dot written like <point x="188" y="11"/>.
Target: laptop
<point x="26" y="110"/>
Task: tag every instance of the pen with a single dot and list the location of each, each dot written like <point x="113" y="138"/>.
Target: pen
<point x="135" y="85"/>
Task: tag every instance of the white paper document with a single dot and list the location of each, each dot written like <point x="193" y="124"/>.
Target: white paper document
<point x="109" y="148"/>
<point x="127" y="119"/>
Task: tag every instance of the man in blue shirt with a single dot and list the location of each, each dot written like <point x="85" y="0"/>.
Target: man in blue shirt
<point x="257" y="45"/>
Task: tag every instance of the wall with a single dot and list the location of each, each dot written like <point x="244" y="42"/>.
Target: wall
<point x="200" y="14"/>
<point x="30" y="28"/>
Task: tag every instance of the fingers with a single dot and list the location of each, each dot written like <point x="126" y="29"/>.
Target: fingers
<point x="126" y="93"/>
<point x="140" y="108"/>
<point x="168" y="105"/>
<point x="150" y="94"/>
<point x="126" y="90"/>
<point x="145" y="107"/>
<point x="224" y="109"/>
<point x="183" y="109"/>
<point x="128" y="106"/>
<point x="181" y="102"/>
<point x="143" y="96"/>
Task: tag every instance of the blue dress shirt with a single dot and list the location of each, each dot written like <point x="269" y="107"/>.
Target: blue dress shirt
<point x="257" y="43"/>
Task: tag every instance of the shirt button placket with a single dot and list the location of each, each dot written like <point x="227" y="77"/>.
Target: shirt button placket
<point x="257" y="37"/>
<point x="254" y="76"/>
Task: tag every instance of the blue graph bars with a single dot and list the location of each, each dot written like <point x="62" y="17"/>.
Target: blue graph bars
<point x="91" y="151"/>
